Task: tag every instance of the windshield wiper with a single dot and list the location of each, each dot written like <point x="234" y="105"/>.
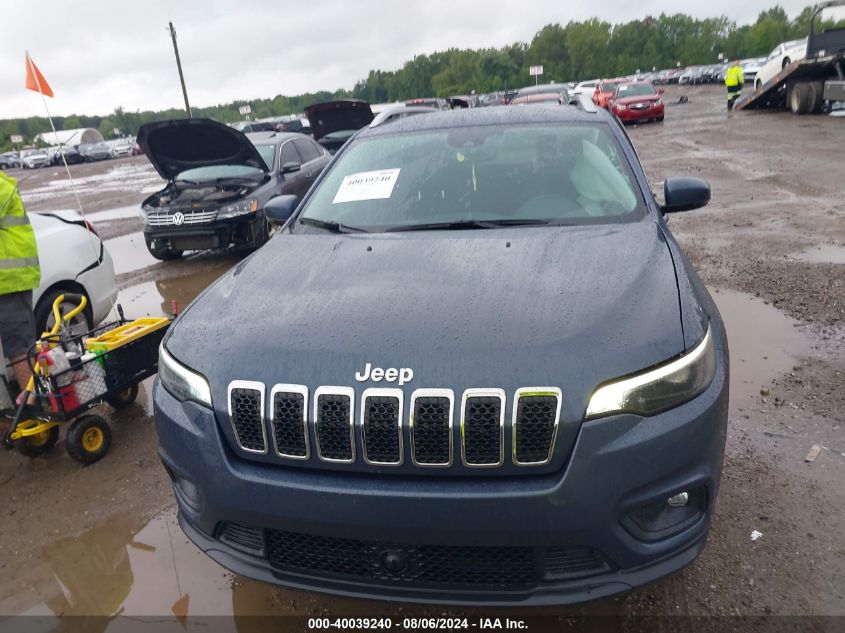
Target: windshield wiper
<point x="334" y="227"/>
<point x="467" y="224"/>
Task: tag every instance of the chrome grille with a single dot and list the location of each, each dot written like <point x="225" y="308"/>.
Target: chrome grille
<point x="333" y="416"/>
<point x="164" y="217"/>
<point x="482" y="427"/>
<point x="380" y="436"/>
<point x="536" y="411"/>
<point x="381" y="426"/>
<point x="246" y="411"/>
<point x="290" y="420"/>
<point x="431" y="427"/>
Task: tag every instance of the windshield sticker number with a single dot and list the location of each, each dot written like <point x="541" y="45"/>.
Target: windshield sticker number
<point x="368" y="185"/>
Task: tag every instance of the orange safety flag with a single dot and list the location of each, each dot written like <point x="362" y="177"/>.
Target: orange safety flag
<point x="34" y="78"/>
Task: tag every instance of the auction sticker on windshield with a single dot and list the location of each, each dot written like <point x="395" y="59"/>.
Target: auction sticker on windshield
<point x="367" y="185"/>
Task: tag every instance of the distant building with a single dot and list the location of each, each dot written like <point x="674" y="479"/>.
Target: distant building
<point x="71" y="138"/>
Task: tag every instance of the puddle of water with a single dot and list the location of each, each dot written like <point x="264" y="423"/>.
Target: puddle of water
<point x="121" y="566"/>
<point x="764" y="343"/>
<point x="155" y="298"/>
<point x="129" y="253"/>
<point x="823" y="254"/>
<point x="121" y="213"/>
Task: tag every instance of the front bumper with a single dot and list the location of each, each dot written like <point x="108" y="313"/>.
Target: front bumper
<point x="219" y="233"/>
<point x="631" y="116"/>
<point x="619" y="463"/>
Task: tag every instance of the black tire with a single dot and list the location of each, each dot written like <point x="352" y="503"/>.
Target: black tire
<point x="799" y="98"/>
<point x="162" y="254"/>
<point x="80" y="324"/>
<point x="816" y="104"/>
<point x="123" y="398"/>
<point x="758" y="85"/>
<point x="37" y="445"/>
<point x="786" y="62"/>
<point x="88" y="439"/>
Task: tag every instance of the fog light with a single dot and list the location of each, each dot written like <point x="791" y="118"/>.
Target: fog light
<point x="187" y="491"/>
<point x="665" y="517"/>
<point x="679" y="500"/>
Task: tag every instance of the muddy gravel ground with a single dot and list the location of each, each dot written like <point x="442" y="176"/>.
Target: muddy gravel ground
<point x="771" y="248"/>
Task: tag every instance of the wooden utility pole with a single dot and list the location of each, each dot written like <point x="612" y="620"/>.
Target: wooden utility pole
<point x="179" y="67"/>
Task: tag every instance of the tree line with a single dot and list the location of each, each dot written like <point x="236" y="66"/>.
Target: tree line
<point x="576" y="51"/>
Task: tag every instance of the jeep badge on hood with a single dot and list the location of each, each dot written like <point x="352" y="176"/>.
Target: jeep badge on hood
<point x="391" y="374"/>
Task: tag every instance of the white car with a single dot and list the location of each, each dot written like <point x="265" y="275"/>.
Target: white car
<point x="120" y="147"/>
<point x="585" y="88"/>
<point x="783" y="55"/>
<point x="73" y="259"/>
<point x="33" y="159"/>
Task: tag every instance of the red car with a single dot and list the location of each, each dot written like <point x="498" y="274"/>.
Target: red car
<point x="604" y="91"/>
<point x="636" y="101"/>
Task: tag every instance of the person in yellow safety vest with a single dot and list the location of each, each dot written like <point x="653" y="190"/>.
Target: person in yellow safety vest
<point x="733" y="82"/>
<point x="19" y="275"/>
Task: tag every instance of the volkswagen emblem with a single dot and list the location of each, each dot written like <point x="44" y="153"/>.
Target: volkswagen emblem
<point x="178" y="218"/>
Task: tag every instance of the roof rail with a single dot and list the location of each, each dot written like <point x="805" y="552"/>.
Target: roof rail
<point x="584" y="102"/>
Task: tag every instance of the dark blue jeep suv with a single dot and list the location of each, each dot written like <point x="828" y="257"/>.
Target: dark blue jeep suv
<point x="473" y="366"/>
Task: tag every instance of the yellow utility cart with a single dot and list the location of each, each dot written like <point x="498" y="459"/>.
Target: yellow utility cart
<point x="74" y="373"/>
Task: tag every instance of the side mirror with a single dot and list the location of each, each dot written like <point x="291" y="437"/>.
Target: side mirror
<point x="289" y="168"/>
<point x="279" y="209"/>
<point x="660" y="91"/>
<point x="684" y="194"/>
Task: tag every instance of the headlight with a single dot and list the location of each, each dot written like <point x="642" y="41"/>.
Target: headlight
<point x="658" y="389"/>
<point x="239" y="208"/>
<point x="182" y="383"/>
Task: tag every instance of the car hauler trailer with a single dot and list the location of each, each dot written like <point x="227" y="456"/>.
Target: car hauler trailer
<point x="810" y="85"/>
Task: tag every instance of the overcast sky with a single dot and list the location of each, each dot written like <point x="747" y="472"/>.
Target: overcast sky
<point x="99" y="54"/>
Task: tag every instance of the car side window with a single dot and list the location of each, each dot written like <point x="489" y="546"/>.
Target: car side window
<point x="306" y="149"/>
<point x="288" y="154"/>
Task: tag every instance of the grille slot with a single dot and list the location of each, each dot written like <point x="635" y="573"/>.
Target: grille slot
<point x="333" y="416"/>
<point x="536" y="412"/>
<point x="423" y="565"/>
<point x="573" y="562"/>
<point x="242" y="538"/>
<point x="289" y="420"/>
<point x="246" y="411"/>
<point x="482" y="427"/>
<point x="381" y="426"/>
<point x="431" y="427"/>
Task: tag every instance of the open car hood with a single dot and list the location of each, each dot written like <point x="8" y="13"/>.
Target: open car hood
<point x="181" y="144"/>
<point x="334" y="116"/>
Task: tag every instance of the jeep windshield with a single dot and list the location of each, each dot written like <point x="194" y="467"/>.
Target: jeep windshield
<point x="476" y="178"/>
<point x="217" y="174"/>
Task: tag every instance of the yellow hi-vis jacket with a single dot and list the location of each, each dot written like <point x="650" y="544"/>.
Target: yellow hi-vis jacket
<point x="734" y="76"/>
<point x="19" y="268"/>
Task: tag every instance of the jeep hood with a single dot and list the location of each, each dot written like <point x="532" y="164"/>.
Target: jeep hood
<point x="336" y="116"/>
<point x="181" y="144"/>
<point x="552" y="306"/>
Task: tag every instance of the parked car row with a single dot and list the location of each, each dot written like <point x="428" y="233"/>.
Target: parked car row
<point x="71" y="154"/>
